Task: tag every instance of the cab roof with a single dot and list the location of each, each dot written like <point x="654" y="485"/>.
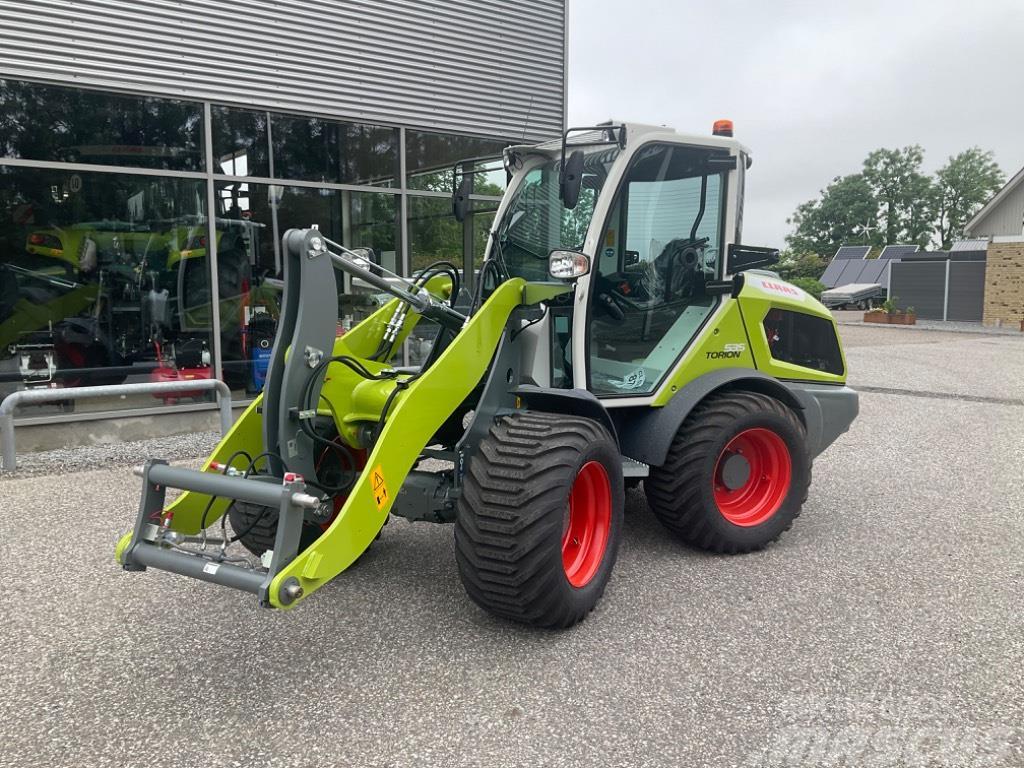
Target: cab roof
<point x="636" y="133"/>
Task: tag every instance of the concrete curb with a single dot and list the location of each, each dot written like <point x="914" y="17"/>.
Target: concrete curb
<point x="918" y="327"/>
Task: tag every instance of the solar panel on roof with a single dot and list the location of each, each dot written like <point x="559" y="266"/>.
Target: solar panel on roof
<point x="897" y="251"/>
<point x="977" y="244"/>
<point x="852" y="252"/>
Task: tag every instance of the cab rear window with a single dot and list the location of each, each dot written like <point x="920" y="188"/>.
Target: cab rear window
<point x="804" y="340"/>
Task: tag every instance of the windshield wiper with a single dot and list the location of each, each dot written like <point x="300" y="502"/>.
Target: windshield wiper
<point x="525" y="248"/>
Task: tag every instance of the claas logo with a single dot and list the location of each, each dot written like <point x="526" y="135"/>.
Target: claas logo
<point x="768" y="285"/>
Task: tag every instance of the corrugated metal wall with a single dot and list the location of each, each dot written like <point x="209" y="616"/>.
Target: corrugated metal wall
<point x="486" y="67"/>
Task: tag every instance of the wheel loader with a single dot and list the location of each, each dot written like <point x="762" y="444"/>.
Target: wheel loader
<point x="618" y="333"/>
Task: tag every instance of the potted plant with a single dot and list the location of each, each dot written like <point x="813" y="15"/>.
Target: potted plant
<point x="890" y="314"/>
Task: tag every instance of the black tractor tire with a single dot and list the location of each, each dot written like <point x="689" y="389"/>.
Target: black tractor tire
<point x="690" y="495"/>
<point x="524" y="552"/>
<point x="256" y="527"/>
<point x="259" y="526"/>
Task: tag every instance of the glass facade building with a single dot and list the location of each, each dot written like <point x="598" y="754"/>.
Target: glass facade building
<point x="140" y="235"/>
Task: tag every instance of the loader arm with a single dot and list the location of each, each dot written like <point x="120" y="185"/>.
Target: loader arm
<point x="415" y="413"/>
<point x="415" y="417"/>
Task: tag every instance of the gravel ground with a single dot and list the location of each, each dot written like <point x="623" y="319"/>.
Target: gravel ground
<point x="884" y="629"/>
<point x="988" y="366"/>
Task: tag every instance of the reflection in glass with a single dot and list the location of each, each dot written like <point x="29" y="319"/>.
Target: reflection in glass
<point x="435" y="235"/>
<point x="313" y="149"/>
<point x="44" y="122"/>
<point x="103" y="279"/>
<point x="430" y="158"/>
<point x="240" y="146"/>
<point x="255" y="218"/>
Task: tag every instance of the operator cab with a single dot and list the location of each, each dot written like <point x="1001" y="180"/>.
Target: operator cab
<point x="655" y="213"/>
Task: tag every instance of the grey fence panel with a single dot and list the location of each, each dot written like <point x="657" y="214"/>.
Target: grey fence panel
<point x="919" y="284"/>
<point x="966" y="291"/>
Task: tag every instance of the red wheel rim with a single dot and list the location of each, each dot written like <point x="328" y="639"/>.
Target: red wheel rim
<point x="764" y="489"/>
<point x="76" y="359"/>
<point x="585" y="538"/>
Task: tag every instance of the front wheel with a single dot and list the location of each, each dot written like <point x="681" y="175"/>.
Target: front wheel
<point x="540" y="517"/>
<point x="736" y="474"/>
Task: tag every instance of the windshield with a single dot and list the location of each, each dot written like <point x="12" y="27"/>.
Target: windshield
<point x="537" y="222"/>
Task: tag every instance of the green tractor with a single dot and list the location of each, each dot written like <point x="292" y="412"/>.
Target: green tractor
<point x="618" y="333"/>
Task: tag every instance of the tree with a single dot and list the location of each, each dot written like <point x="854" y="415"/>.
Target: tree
<point x="891" y="201"/>
<point x="846" y="213"/>
<point x="963" y="185"/>
<point x="794" y="266"/>
<point x="809" y="284"/>
<point x="905" y="196"/>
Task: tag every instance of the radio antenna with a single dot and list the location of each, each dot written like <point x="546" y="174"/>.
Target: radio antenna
<point x="529" y="111"/>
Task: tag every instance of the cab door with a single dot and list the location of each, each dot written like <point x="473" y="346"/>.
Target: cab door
<point x="661" y="244"/>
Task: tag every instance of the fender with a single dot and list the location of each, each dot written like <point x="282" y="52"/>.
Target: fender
<point x="645" y="434"/>
<point x="577" y="402"/>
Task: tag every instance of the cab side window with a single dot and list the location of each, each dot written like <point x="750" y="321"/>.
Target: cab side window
<point x="659" y="248"/>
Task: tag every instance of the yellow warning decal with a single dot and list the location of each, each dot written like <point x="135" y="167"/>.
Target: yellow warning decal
<point x="380" y="488"/>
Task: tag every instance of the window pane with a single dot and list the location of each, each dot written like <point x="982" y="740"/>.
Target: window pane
<point x="802" y="339"/>
<point x="42" y="122"/>
<point x="240" y="146"/>
<point x="311" y="149"/>
<point x="660" y="246"/>
<point x="430" y="158"/>
<point x="435" y="235"/>
<point x="537" y="221"/>
<point x="252" y="219"/>
<point x="103" y="279"/>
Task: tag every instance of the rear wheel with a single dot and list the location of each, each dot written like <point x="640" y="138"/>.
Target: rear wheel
<point x="539" y="518"/>
<point x="736" y="474"/>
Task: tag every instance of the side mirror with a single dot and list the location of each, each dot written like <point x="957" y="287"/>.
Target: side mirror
<point x="568" y="265"/>
<point x="460" y="197"/>
<point x="570" y="180"/>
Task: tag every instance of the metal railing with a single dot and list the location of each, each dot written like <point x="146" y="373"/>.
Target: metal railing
<point x="8" y="456"/>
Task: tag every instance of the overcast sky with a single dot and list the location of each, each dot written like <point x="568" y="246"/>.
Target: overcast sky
<point x="812" y="86"/>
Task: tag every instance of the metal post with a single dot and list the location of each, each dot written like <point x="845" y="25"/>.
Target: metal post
<point x="37" y="396"/>
<point x="403" y="225"/>
<point x="945" y="293"/>
<point x="7" y="438"/>
<point x="346" y="233"/>
<point x="272" y="191"/>
<point x="211" y="242"/>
